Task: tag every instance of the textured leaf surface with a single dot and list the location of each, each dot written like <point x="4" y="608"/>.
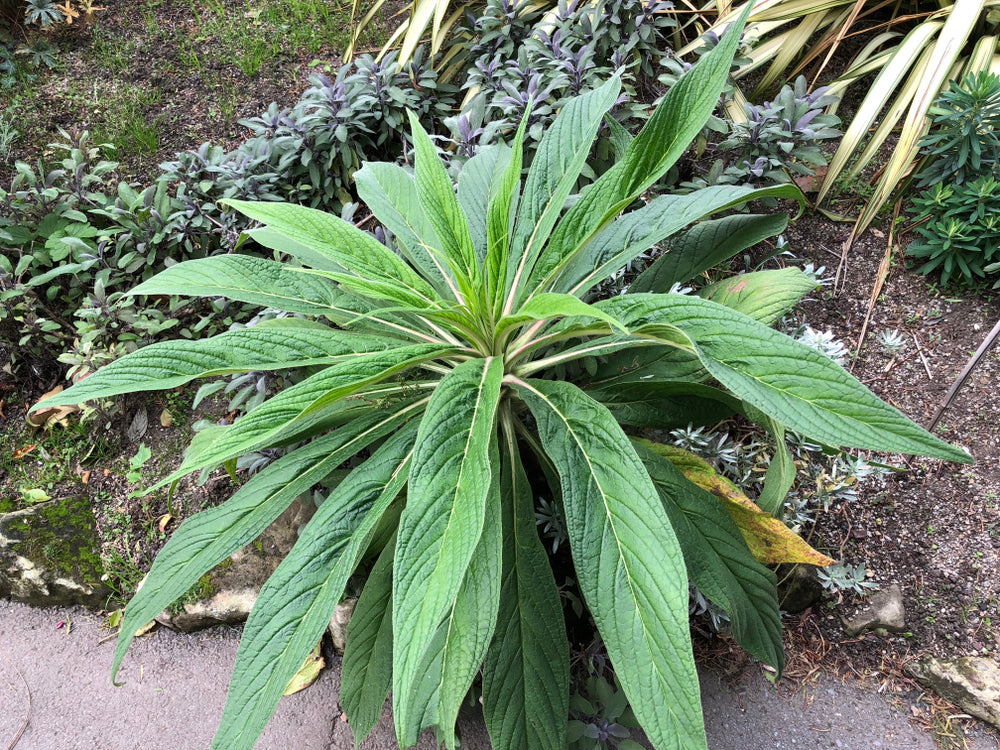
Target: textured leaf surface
<point x="526" y="672"/>
<point x="633" y="233"/>
<point x="295" y="605"/>
<point x="718" y="560"/>
<point x="763" y="295"/>
<point x="208" y="538"/>
<point x="703" y="246"/>
<point x="272" y="417"/>
<point x="560" y="156"/>
<point x="662" y="140"/>
<point x="272" y="345"/>
<point x="443" y="519"/>
<point x="366" y="675"/>
<point x="785" y="379"/>
<point x="328" y="235"/>
<point x="627" y="559"/>
<point x="666" y="404"/>
<point x="769" y="539"/>
<point x="247" y="279"/>
<point x="547" y="306"/>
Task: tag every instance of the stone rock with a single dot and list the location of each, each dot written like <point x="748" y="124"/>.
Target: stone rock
<point x="801" y="588"/>
<point x="885" y="610"/>
<point x="338" y="623"/>
<point x="971" y="682"/>
<point x="50" y="555"/>
<point x="226" y="594"/>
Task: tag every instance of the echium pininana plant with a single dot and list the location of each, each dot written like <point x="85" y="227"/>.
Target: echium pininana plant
<point x="439" y="369"/>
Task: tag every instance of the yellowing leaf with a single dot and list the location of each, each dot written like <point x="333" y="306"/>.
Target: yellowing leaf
<point x="165" y="419"/>
<point x="69" y="12"/>
<point x="308" y="673"/>
<point x="769" y="540"/>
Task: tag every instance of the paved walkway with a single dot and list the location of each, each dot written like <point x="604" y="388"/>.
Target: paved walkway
<point x="57" y="680"/>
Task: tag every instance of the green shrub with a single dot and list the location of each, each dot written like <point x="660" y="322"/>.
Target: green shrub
<point x="452" y="368"/>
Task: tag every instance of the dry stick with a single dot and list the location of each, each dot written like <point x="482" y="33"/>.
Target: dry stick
<point x="881" y="275"/>
<point x="27" y="719"/>
<point x="927" y="367"/>
<point x="966" y="371"/>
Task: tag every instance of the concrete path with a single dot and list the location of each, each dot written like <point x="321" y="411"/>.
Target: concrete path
<point x="54" y="683"/>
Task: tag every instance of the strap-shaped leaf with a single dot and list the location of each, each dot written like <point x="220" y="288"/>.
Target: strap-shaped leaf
<point x="500" y="216"/>
<point x="208" y="538"/>
<point x="366" y="674"/>
<point x="271" y="345"/>
<point x="247" y="279"/>
<point x="295" y="605"/>
<point x="665" y="136"/>
<point x="635" y="232"/>
<point x="557" y="163"/>
<point x="343" y="243"/>
<point x="391" y="194"/>
<point x="457" y="651"/>
<point x="763" y="295"/>
<point x="270" y="419"/>
<point x="443" y="520"/>
<point x="666" y="404"/>
<point x="703" y="246"/>
<point x="547" y="306"/>
<point x="526" y="672"/>
<point x="437" y="197"/>
<point x="782" y="377"/>
<point x="627" y="559"/>
<point x="478" y="180"/>
<point x="718" y="560"/>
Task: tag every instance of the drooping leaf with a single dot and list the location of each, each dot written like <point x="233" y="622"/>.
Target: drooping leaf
<point x="443" y="519"/>
<point x="627" y="559"/>
<point x="666" y="404"/>
<point x="763" y="295"/>
<point x="366" y="673"/>
<point x="703" y="246"/>
<point x="526" y="672"/>
<point x="769" y="539"/>
<point x="295" y="605"/>
<point x="784" y="378"/>
<point x="308" y="673"/>
<point x="718" y="559"/>
<point x="270" y="419"/>
<point x="271" y="345"/>
<point x="208" y="538"/>
<point x="247" y="279"/>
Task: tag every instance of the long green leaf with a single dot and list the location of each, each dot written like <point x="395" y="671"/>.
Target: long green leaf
<point x="270" y="419"/>
<point x="366" y="674"/>
<point x="665" y="136"/>
<point x="328" y="235"/>
<point x="763" y="295"/>
<point x="718" y="560"/>
<point x="208" y="538"/>
<point x="247" y="279"/>
<point x="440" y="204"/>
<point x="558" y="160"/>
<point x="627" y="558"/>
<point x="633" y="233"/>
<point x="295" y="605"/>
<point x="271" y="345"/>
<point x="443" y="519"/>
<point x="391" y="194"/>
<point x="499" y="217"/>
<point x="477" y="182"/>
<point x="785" y="379"/>
<point x="666" y="404"/>
<point x="526" y="672"/>
<point x="703" y="246"/>
<point x="548" y="306"/>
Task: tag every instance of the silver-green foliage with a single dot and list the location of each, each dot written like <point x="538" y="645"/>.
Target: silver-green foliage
<point x="446" y="367"/>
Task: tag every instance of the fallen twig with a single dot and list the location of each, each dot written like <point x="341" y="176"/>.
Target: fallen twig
<point x="987" y="344"/>
<point x="920" y="351"/>
<point x="27" y="718"/>
<point x="880" y="276"/>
